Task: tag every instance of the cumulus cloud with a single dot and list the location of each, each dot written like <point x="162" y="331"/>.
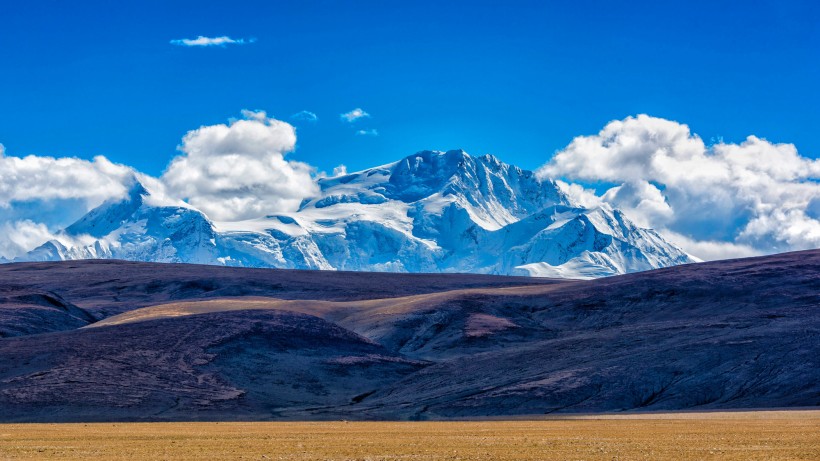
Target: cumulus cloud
<point x="715" y="201"/>
<point x="354" y="115"/>
<point x="579" y="194"/>
<point x="710" y="250"/>
<point x="230" y="171"/>
<point x="238" y="170"/>
<point x="305" y="116"/>
<point x="35" y="178"/>
<point x="40" y="195"/>
<point x="720" y="200"/>
<point x="211" y="41"/>
<point x="642" y="200"/>
<point x="18" y="237"/>
<point x="370" y="132"/>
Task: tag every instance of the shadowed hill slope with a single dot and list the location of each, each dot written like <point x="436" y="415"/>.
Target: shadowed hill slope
<point x="721" y="335"/>
<point x="176" y="368"/>
<point x="53" y="296"/>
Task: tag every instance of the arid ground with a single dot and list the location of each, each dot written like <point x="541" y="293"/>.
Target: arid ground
<point x="768" y="435"/>
<point x="113" y="341"/>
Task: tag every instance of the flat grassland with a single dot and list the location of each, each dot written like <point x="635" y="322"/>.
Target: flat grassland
<point x="679" y="436"/>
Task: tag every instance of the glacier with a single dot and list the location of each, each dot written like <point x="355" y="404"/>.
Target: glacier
<point x="429" y="212"/>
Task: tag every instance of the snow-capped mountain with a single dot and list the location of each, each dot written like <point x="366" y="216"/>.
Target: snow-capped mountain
<point x="429" y="212"/>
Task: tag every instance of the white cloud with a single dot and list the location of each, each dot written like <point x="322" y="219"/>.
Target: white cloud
<point x="211" y="41"/>
<point x="755" y="196"/>
<point x="39" y="195"/>
<point x="305" y="116"/>
<point x="718" y="201"/>
<point x="340" y="170"/>
<point x="34" y="178"/>
<point x="710" y="250"/>
<point x="239" y="171"/>
<point x="642" y="201"/>
<point x="18" y="237"/>
<point x="354" y="115"/>
<point x="229" y="171"/>
<point x="580" y="195"/>
<point x="370" y="132"/>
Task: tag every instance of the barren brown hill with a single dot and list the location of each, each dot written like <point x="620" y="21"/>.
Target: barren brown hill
<point x="263" y="345"/>
<point x="43" y="297"/>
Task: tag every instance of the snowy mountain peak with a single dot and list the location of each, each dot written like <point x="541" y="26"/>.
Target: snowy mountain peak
<point x="454" y="172"/>
<point x="424" y="173"/>
<point x="107" y="217"/>
<point x="139" y="226"/>
<point x="429" y="212"/>
<point x="492" y="193"/>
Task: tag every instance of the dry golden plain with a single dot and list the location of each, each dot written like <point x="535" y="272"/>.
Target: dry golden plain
<point x="763" y="435"/>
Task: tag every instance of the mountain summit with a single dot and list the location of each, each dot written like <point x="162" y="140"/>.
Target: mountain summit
<point x="429" y="212"/>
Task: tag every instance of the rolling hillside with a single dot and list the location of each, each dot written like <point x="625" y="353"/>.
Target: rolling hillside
<point x="177" y="342"/>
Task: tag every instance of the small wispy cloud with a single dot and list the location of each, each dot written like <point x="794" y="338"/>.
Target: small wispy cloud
<point x="340" y="170"/>
<point x="354" y="115"/>
<point x="305" y="116"/>
<point x="371" y="132"/>
<point x="211" y="41"/>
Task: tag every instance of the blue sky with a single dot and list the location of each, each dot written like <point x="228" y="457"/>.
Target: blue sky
<point x="517" y="79"/>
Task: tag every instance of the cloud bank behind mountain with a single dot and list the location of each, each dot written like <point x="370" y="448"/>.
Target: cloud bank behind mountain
<point x="715" y="201"/>
<point x="720" y="200"/>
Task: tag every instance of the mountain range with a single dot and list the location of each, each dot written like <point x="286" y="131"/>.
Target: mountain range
<point x="429" y="212"/>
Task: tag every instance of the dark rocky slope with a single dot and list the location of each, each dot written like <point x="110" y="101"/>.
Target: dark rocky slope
<point x="721" y="335"/>
<point x="75" y="293"/>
